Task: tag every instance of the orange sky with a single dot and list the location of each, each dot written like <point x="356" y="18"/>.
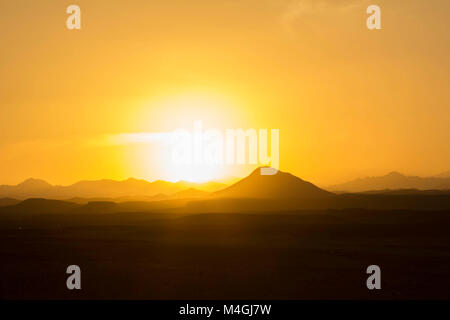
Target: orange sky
<point x="349" y="102"/>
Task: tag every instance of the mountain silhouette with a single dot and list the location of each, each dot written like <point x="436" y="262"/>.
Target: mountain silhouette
<point x="190" y="193"/>
<point x="255" y="193"/>
<point x="4" y="202"/>
<point x="393" y="181"/>
<point x="445" y="174"/>
<point x="41" y="206"/>
<point x="27" y="189"/>
<point x="156" y="197"/>
<point x="107" y="189"/>
<point x="282" y="185"/>
<point x="34" y="184"/>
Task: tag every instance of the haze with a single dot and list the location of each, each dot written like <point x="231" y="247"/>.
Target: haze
<point x="348" y="101"/>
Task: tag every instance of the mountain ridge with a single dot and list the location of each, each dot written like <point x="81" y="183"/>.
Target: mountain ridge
<point x="103" y="188"/>
<point x="393" y="181"/>
<point x="281" y="192"/>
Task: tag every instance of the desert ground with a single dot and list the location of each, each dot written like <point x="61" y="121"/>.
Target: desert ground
<point x="317" y="254"/>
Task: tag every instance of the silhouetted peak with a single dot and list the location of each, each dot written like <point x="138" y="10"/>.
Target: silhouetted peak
<point x="445" y="174"/>
<point x="136" y="182"/>
<point x="161" y="182"/>
<point x="395" y="174"/>
<point x="278" y="176"/>
<point x="279" y="185"/>
<point x="257" y="171"/>
<point x="34" y="183"/>
<point x="46" y="206"/>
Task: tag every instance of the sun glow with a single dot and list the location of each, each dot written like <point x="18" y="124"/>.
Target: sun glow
<point x="179" y="112"/>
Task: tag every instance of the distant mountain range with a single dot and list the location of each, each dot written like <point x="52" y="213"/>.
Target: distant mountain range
<point x="256" y="186"/>
<point x="280" y="186"/>
<point x="254" y="193"/>
<point x="395" y="181"/>
<point x="107" y="196"/>
<point x="445" y="174"/>
<point x="36" y="188"/>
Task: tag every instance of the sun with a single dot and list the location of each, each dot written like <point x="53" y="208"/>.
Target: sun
<point x="160" y="116"/>
<point x="180" y="112"/>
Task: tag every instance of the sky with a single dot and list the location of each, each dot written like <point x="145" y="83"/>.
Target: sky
<point x="348" y="102"/>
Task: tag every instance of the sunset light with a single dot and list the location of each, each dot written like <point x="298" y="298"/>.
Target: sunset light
<point x="225" y="159"/>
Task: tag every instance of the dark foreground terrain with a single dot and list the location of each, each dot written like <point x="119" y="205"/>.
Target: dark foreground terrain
<point x="291" y="255"/>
